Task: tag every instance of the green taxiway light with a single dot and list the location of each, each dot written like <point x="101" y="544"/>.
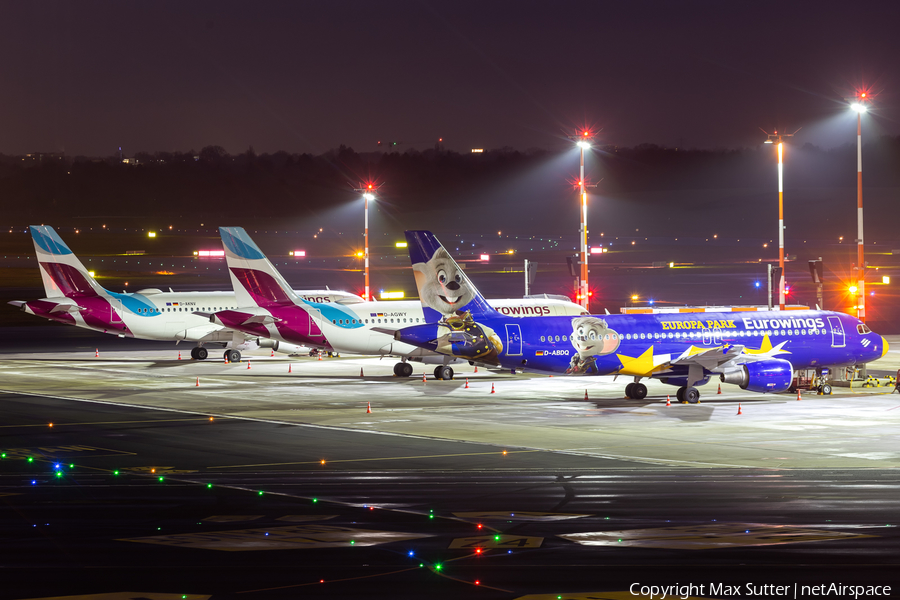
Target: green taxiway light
<point x="116" y="473"/>
<point x="260" y="492"/>
<point x="3" y="455"/>
<point x="59" y="473"/>
<point x="352" y="542"/>
<point x="315" y="500"/>
<point x="496" y="538"/>
<point x="30" y="459"/>
<point x="437" y="567"/>
<point x="208" y="485"/>
<point x="71" y="466"/>
<point x="160" y="478"/>
<point x="421" y="565"/>
<point x="430" y="516"/>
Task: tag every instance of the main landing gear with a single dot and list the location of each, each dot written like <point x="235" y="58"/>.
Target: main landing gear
<point x="403" y="369"/>
<point x="691" y="395"/>
<point x="199" y="353"/>
<point x="232" y="356"/>
<point x="636" y="391"/>
<point x="443" y="372"/>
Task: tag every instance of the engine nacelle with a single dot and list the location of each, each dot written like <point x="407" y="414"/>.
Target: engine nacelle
<point x="764" y="376"/>
<point x="281" y="347"/>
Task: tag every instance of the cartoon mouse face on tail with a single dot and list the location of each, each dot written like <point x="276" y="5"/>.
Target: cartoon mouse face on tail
<point x="442" y="286"/>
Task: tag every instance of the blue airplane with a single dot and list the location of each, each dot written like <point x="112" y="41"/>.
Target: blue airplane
<point x="758" y="351"/>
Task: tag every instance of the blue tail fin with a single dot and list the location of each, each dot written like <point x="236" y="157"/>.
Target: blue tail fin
<point x="444" y="289"/>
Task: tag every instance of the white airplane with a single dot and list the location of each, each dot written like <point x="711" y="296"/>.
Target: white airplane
<point x="271" y="309"/>
<point x="75" y="298"/>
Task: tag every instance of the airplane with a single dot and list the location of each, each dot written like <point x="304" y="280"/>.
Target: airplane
<point x="757" y="351"/>
<point x="269" y="308"/>
<point x="75" y="298"/>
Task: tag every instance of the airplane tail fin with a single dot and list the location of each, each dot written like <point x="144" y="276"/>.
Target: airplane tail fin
<point x="61" y="271"/>
<point x="444" y="289"/>
<point x="255" y="279"/>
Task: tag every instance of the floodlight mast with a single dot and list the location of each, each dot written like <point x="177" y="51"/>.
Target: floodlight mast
<point x="583" y="139"/>
<point x="860" y="105"/>
<point x="778" y="138"/>
<point x="368" y="191"/>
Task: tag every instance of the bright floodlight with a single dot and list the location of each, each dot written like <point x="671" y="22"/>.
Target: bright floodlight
<point x="584" y="145"/>
<point x="860" y="108"/>
<point x="368" y="196"/>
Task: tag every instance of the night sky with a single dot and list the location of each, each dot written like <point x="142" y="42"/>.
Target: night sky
<point x="85" y="78"/>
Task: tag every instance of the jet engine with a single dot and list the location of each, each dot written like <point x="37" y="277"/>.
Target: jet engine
<point x="764" y="376"/>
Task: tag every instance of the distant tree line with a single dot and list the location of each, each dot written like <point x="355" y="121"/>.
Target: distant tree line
<point x="214" y="185"/>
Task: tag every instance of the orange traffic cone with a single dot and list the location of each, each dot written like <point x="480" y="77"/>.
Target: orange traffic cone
<point x="179" y="356"/>
<point x="248" y="365"/>
<point x="198" y="382"/>
<point x="798" y="395"/>
<point x="226" y="360"/>
<point x="467" y="384"/>
<point x="668" y="402"/>
<point x="273" y="354"/>
<point x="423" y="377"/>
<point x="492" y="388"/>
<point x="720" y="389"/>
<point x="360" y="372"/>
<point x="739" y="409"/>
<point x="319" y="354"/>
<point x="96" y="352"/>
<point x="368" y="407"/>
<point x="290" y="366"/>
<point x="585" y="395"/>
<point x="476" y="368"/>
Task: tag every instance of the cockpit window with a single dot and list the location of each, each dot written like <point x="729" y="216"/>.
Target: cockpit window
<point x="863" y="329"/>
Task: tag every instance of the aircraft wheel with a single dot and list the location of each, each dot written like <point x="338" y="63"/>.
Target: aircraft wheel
<point x="194" y="353"/>
<point x="202" y="353"/>
<point x="826" y="389"/>
<point x="446" y="373"/>
<point x="679" y="395"/>
<point x="692" y="395"/>
<point x="639" y="391"/>
<point x="406" y="369"/>
<point x="628" y="390"/>
<point x="233" y="356"/>
<point x="437" y="372"/>
<point x="397" y="369"/>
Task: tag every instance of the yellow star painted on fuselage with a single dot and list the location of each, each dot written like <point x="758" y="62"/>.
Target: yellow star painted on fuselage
<point x="637" y="365"/>
<point x="765" y="347"/>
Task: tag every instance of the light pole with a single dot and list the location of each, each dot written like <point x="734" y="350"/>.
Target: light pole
<point x="368" y="191"/>
<point x="859" y="105"/>
<point x="777" y="138"/>
<point x="583" y="140"/>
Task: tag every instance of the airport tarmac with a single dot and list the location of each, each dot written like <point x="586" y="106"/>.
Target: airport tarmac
<point x="151" y="483"/>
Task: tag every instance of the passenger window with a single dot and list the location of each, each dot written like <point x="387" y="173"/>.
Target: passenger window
<point x="542" y="338"/>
